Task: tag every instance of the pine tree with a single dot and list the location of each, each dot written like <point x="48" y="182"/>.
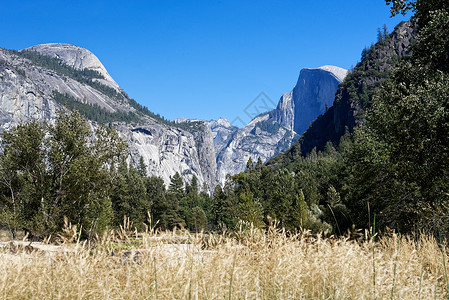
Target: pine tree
<point x="299" y="211"/>
<point x="249" y="165"/>
<point x="197" y="219"/>
<point x="156" y="194"/>
<point x="174" y="212"/>
<point x="259" y="165"/>
<point x="177" y="186"/>
<point x="222" y="212"/>
<point x="385" y="32"/>
<point x="142" y="168"/>
<point x="250" y="210"/>
<point x="130" y="197"/>
<point x="205" y="200"/>
<point x="380" y="36"/>
<point x="175" y="197"/>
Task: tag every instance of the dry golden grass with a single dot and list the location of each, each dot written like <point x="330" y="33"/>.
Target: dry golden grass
<point x="251" y="265"/>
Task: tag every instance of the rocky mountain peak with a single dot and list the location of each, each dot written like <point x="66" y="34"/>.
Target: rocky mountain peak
<point x="312" y="96"/>
<point x="75" y="57"/>
<point x="337" y="72"/>
<point x="222" y="122"/>
<point x="206" y="149"/>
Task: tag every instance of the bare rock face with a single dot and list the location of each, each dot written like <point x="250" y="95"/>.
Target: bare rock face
<point x="26" y="92"/>
<point x="167" y="150"/>
<point x="43" y="82"/>
<point x="204" y="140"/>
<point x="76" y="57"/>
<point x="285" y="111"/>
<point x="20" y="97"/>
<point x="222" y="131"/>
<point x="262" y="138"/>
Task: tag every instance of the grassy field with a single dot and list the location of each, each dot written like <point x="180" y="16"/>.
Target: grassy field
<point x="248" y="265"/>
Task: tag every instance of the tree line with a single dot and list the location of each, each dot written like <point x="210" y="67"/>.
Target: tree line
<point x="64" y="169"/>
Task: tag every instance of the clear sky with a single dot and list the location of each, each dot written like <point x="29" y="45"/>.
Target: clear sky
<point x="201" y="59"/>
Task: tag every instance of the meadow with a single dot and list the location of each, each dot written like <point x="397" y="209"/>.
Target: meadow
<point x="248" y="264"/>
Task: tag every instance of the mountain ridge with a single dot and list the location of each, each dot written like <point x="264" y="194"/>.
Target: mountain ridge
<point x="50" y="76"/>
<point x="273" y="132"/>
<point x="76" y="57"/>
<point x="29" y="80"/>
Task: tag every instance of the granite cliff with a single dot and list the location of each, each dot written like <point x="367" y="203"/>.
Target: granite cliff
<point x="31" y="83"/>
<point x="313" y="94"/>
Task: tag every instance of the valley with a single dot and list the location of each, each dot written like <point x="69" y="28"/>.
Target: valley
<point x="340" y="189"/>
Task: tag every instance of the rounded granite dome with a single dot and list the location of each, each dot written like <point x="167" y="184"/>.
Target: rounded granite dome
<point x="74" y="56"/>
<point x="340" y="73"/>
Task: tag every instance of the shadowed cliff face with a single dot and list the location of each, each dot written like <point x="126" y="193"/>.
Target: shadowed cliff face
<point x="354" y="95"/>
<point x="274" y="132"/>
<point x="314" y="94"/>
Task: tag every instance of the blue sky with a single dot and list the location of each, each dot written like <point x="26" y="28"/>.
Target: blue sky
<point x="202" y="59"/>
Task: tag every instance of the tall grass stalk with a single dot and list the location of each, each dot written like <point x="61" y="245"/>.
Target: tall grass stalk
<point x="436" y="285"/>
<point x="394" y="267"/>
<point x="335" y="219"/>
<point x="420" y="279"/>
<point x="155" y="278"/>
<point x="443" y="256"/>
<point x="373" y="237"/>
<point x="232" y="275"/>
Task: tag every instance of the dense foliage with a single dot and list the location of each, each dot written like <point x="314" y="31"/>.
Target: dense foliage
<point x="52" y="171"/>
<point x="94" y="112"/>
<point x="404" y="143"/>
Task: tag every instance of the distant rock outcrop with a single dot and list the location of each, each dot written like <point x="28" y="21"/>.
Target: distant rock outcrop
<point x="263" y="137"/>
<point x="222" y="131"/>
